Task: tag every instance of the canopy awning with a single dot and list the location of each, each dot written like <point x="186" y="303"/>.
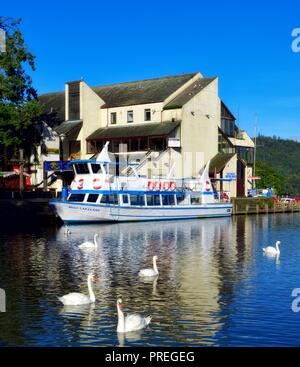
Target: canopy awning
<point x="67" y="127"/>
<point x="134" y="131"/>
<point x="219" y="161"/>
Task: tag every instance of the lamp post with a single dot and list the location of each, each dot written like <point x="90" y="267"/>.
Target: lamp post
<point x="61" y="154"/>
<point x="61" y="146"/>
<point x="21" y="152"/>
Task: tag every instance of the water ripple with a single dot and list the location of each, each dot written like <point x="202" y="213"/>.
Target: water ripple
<point x="215" y="286"/>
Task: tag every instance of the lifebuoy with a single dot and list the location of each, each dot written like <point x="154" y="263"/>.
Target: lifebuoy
<point x="80" y="184"/>
<point x="151" y="185"/>
<point x="162" y="185"/>
<point x="166" y="185"/>
<point x="172" y="185"/>
<point x="207" y="186"/>
<point x="96" y="185"/>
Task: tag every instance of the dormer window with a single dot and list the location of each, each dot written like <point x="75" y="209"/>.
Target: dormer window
<point x="130" y="116"/>
<point x="113" y="118"/>
<point x="147" y="114"/>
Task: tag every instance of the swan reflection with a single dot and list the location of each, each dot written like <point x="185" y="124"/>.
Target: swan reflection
<point x="132" y="336"/>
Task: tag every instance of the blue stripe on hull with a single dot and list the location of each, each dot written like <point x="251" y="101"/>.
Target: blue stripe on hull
<point x="187" y="207"/>
<point x="172" y="216"/>
<point x="149" y="218"/>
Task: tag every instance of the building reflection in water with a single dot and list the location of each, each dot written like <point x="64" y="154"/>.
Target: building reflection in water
<point x="200" y="263"/>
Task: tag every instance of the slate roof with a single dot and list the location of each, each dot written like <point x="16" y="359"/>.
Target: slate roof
<point x="128" y="93"/>
<point x="189" y="93"/>
<point x="219" y="161"/>
<point x="136" y="130"/>
<point x="141" y="91"/>
<point x="67" y="126"/>
<point x="54" y="104"/>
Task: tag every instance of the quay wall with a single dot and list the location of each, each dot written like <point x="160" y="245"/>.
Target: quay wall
<point x="262" y="206"/>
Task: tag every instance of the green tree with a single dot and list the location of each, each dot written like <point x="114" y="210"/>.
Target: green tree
<point x="20" y="110"/>
<point x="270" y="177"/>
<point x="284" y="156"/>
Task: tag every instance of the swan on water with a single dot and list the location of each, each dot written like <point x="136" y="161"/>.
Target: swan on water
<point x="150" y="272"/>
<point x="67" y="230"/>
<point x="270" y="250"/>
<point x="130" y="322"/>
<point x="89" y="245"/>
<point x="75" y="299"/>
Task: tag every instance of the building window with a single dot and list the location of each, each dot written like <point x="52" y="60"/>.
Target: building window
<point x="227" y="126"/>
<point x="224" y="145"/>
<point x="113" y="118"/>
<point x="134" y="145"/>
<point x="157" y="144"/>
<point x="129" y="116"/>
<point x="91" y="147"/>
<point x="74" y="101"/>
<point x="147" y="114"/>
<point x="246" y="153"/>
<point x="74" y="149"/>
<point x="143" y="143"/>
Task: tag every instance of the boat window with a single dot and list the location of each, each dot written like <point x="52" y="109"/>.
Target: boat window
<point x="81" y="168"/>
<point x="92" y="198"/>
<point x="153" y="200"/>
<point x="168" y="199"/>
<point x="195" y="200"/>
<point x="76" y="197"/>
<point x="137" y="200"/>
<point x="96" y="168"/>
<point x="109" y="199"/>
<point x="183" y="199"/>
<point x="125" y="199"/>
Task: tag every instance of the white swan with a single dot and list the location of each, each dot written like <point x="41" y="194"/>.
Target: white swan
<point x="150" y="272"/>
<point x="130" y="322"/>
<point x="89" y="245"/>
<point x="272" y="250"/>
<point x="76" y="299"/>
<point x="67" y="230"/>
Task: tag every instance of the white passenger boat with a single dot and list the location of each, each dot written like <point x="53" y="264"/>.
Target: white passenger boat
<point x="98" y="194"/>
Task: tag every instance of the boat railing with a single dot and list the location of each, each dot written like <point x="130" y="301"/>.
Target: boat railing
<point x="128" y="171"/>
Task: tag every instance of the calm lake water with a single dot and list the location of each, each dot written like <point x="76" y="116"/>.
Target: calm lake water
<point x="215" y="288"/>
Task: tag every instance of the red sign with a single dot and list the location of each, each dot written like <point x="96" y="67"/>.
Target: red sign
<point x="254" y="178"/>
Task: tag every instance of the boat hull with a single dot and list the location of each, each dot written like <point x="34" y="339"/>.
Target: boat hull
<point x="81" y="212"/>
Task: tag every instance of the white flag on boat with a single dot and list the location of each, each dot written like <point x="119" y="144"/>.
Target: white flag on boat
<point x="104" y="156"/>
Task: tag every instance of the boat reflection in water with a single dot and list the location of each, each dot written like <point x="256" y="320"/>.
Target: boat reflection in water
<point x="209" y="270"/>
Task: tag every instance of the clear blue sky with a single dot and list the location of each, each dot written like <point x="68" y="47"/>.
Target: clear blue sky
<point x="247" y="44"/>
